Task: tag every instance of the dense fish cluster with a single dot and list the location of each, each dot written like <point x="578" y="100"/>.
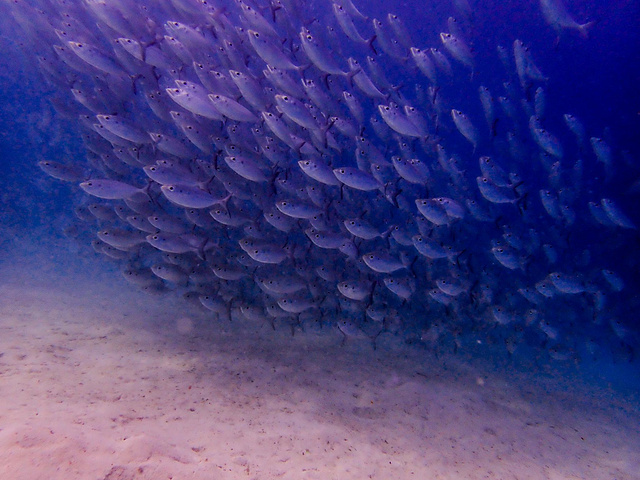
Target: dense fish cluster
<point x="306" y="165"/>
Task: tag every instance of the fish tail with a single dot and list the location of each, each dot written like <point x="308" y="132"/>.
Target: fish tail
<point x="350" y="76"/>
<point x="370" y="43"/>
<point x="225" y="201"/>
<point x="302" y="68"/>
<point x="274" y="9"/>
<point x="584" y="29"/>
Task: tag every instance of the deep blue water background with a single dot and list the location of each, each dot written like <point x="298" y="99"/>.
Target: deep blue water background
<point x="597" y="79"/>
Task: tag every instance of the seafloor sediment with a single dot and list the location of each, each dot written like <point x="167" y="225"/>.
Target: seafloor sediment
<point x="98" y="382"/>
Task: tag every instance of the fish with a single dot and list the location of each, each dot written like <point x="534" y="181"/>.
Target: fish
<point x="168" y="223"/>
<point x="545" y="139"/>
<point x="296" y="111"/>
<point x="247" y="168"/>
<point x="488" y="107"/>
<point x="121" y="239"/>
<point x="458" y="49"/>
<point x="123" y="129"/>
<point x="360" y="78"/>
<point x="383" y="262"/>
<point x="343" y="16"/>
<point x="557" y="16"/>
<point x="398" y="121"/>
<point x="111" y="189"/>
<point x="191" y="196"/>
<point x="298" y="209"/>
<point x="232" y="109"/>
<point x="355" y="290"/>
<point x="616" y="215"/>
<point x="526" y="68"/>
<point x="357" y="179"/>
<point x="316" y="169"/>
<point x="424" y="63"/>
<point x="95" y="57"/>
<point x="433" y="211"/>
<point x="613" y="279"/>
<point x="269" y="51"/>
<point x="195" y="101"/>
<point x="465" y="127"/>
<point x="60" y="171"/>
<point x="388" y="44"/>
<point x="320" y="57"/>
<point x="576" y="127"/>
<point x="171" y="243"/>
<point x="257" y="20"/>
<point x="252" y="92"/>
<point x="308" y="164"/>
<point x="400" y="30"/>
<point x="565" y="283"/>
<point x="495" y="193"/>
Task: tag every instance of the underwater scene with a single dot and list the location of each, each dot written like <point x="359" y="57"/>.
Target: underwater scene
<point x="260" y="239"/>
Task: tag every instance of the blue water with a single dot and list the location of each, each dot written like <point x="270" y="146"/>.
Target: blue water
<point x="596" y="79"/>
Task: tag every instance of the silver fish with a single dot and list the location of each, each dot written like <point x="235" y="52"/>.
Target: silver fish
<point x="191" y="197"/>
<point x="110" y="189"/>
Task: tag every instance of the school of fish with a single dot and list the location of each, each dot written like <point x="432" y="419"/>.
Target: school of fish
<point x="302" y="164"/>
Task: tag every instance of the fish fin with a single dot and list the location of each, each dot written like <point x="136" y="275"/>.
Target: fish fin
<point x="274" y="9"/>
<point x="494" y="128"/>
<point x="584" y="29"/>
<point x="350" y="76"/>
<point x="200" y="252"/>
<point x="370" y="43"/>
<point x="304" y="67"/>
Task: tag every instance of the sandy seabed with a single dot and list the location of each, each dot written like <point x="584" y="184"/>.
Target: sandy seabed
<point x="99" y="381"/>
